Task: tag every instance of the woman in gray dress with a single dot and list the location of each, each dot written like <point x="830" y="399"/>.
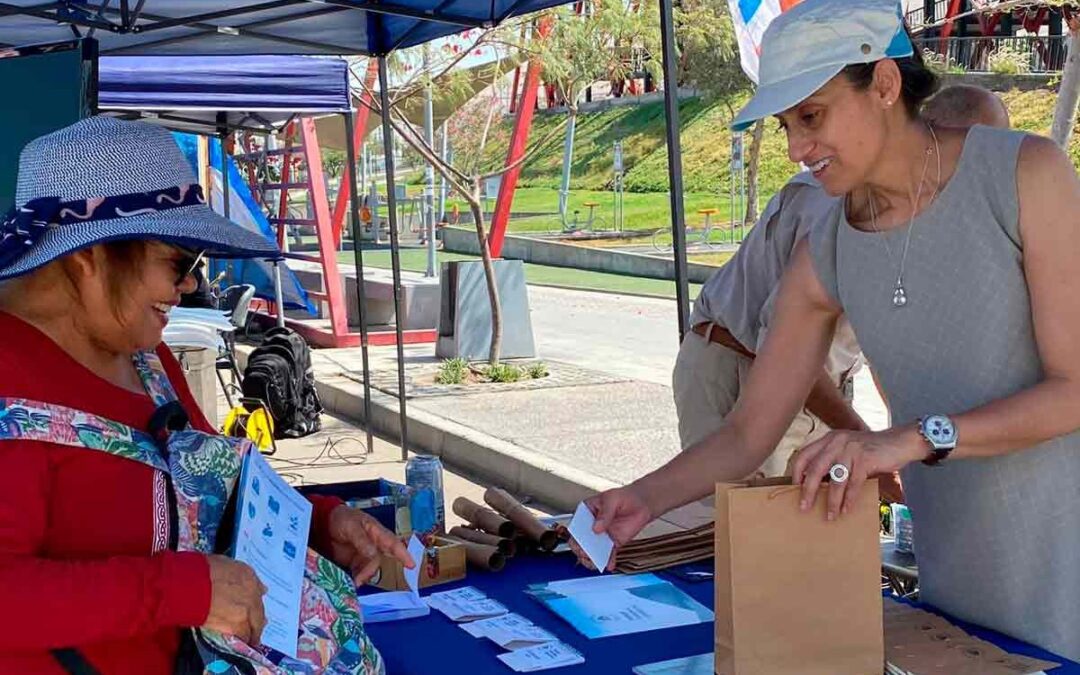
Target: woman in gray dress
<point x="953" y="256"/>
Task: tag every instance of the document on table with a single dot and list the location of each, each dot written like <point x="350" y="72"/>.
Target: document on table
<point x="702" y="664"/>
<point x="465" y="604"/>
<point x="597" y="546"/>
<point x="510" y="631"/>
<point x="619" y="605"/>
<point x="542" y="657"/>
<point x="392" y="606"/>
<point x="272" y="525"/>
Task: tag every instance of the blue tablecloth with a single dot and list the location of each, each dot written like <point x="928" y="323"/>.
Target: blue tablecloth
<point x="434" y="645"/>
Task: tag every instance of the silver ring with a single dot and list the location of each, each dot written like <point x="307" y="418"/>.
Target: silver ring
<point x="838" y="473"/>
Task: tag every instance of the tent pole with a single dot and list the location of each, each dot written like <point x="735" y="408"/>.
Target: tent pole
<point x="395" y="253"/>
<point x="225" y="188"/>
<point x="675" y="184"/>
<point x="358" y="259"/>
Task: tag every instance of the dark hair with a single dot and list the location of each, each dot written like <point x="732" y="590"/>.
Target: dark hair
<point x="918" y="82"/>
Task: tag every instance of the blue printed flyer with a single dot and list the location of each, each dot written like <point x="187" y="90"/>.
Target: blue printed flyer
<point x="272" y="525"/>
<point x="621" y="604"/>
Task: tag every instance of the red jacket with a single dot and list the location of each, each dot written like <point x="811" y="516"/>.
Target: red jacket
<point x="81" y="552"/>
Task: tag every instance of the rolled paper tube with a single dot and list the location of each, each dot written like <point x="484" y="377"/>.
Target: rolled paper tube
<point x="502" y="502"/>
<point x="483" y="518"/>
<point x="483" y="556"/>
<point x="505" y="546"/>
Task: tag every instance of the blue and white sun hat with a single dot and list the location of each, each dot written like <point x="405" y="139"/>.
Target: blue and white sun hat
<point x="808" y="45"/>
<point x="104" y="179"/>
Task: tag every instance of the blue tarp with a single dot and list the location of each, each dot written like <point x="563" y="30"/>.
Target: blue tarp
<point x="197" y="27"/>
<point x="254" y="92"/>
<point x="246" y="213"/>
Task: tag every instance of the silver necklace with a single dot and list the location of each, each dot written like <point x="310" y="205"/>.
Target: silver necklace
<point x="899" y="298"/>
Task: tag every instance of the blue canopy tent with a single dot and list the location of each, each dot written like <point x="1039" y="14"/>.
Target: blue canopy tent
<point x="213" y="95"/>
<point x="338" y="27"/>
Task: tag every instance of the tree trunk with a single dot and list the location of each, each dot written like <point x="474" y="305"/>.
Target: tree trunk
<point x="752" y="164"/>
<point x="1068" y="94"/>
<point x="489" y="275"/>
<point x="568" y="159"/>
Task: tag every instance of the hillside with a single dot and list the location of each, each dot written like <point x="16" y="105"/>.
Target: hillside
<point x="705" y="144"/>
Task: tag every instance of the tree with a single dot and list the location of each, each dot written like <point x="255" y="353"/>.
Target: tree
<point x="1069" y="91"/>
<point x="709" y="60"/>
<point x="606" y="41"/>
<point x="447" y="77"/>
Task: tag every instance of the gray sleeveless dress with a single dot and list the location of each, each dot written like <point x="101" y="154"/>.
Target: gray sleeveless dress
<point x="997" y="540"/>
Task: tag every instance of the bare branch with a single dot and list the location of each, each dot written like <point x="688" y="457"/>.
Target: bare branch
<point x="414" y="139"/>
<point x="528" y="154"/>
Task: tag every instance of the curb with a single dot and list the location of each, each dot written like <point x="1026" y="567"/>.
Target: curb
<point x="493" y="460"/>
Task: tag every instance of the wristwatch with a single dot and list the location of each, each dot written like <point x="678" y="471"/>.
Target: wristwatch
<point x="940" y="432"/>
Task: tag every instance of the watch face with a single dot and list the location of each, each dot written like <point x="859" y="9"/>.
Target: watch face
<point x="939" y="430"/>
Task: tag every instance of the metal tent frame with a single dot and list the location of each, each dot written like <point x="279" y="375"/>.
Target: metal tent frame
<point x="369" y="27"/>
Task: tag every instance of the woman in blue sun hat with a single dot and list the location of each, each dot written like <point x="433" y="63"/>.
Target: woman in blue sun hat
<point x="114" y="489"/>
<point x="953" y="256"/>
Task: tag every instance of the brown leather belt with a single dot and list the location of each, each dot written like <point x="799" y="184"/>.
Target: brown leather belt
<point x="714" y="332"/>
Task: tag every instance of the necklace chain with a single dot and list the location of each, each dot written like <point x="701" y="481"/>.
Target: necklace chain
<point x="899" y="298"/>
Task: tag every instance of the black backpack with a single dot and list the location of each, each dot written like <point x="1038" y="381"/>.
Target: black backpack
<point x="279" y="374"/>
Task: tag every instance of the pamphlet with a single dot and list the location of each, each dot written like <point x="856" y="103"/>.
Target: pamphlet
<point x="542" y="657"/>
<point x="273" y="521"/>
<point x="412" y="576"/>
<point x="479" y="629"/>
<point x="619" y="605"/>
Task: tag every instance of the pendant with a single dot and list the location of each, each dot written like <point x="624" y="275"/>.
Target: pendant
<point x="899" y="296"/>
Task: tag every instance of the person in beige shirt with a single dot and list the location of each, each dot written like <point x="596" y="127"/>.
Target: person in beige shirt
<point x="731" y="316"/>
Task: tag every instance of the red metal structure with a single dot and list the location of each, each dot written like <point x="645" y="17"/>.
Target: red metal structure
<point x="302" y="144"/>
<point x="518" y="141"/>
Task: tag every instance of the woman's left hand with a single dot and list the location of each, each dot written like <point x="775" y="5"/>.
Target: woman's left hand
<point x="865" y="454"/>
<point x="357" y="541"/>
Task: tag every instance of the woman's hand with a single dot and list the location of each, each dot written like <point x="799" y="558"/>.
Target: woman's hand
<point x="622" y="513"/>
<point x="236" y="600"/>
<point x="865" y="453"/>
<point x="357" y="541"/>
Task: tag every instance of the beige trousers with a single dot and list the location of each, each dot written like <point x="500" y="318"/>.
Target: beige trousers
<point x="706" y="383"/>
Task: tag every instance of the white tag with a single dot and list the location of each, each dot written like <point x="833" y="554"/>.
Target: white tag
<point x="412" y="576"/>
<point x="597" y="546"/>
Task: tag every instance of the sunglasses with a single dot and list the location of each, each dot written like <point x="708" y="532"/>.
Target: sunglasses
<point x="186" y="264"/>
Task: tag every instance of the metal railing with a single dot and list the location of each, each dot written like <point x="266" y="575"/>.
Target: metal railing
<point x="1010" y="55"/>
<point x="917" y="17"/>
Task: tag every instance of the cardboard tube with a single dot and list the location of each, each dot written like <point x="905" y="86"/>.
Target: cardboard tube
<point x="505" y="546"/>
<point x="483" y="556"/>
<point x="502" y="502"/>
<point x="483" y="518"/>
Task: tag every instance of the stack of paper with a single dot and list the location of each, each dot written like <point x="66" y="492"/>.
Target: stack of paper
<point x="510" y="631"/>
<point x="620" y="604"/>
<point x="681" y="536"/>
<point x="465" y="604"/>
<point x="398" y="605"/>
<point x="542" y="657"/>
<point x="921" y="643"/>
<point x="392" y="606"/>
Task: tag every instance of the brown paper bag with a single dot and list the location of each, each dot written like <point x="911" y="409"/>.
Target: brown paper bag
<point x="796" y="594"/>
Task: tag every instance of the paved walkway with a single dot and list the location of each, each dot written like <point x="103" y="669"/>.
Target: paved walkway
<point x="606" y="417"/>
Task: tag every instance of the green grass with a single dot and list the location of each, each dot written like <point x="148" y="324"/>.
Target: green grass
<point x="415" y="260"/>
<point x="641" y="211"/>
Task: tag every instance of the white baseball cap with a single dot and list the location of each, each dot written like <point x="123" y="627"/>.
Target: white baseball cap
<point x="808" y="45"/>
